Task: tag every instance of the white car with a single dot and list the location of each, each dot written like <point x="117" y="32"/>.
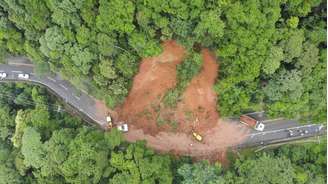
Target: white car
<point x="23" y="76"/>
<point x="3" y="75"/>
<point x="291" y="133"/>
<point x="108" y="119"/>
<point x="123" y="127"/>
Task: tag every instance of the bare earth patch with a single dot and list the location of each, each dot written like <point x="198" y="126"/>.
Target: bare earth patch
<point x="198" y="106"/>
<point x="218" y="139"/>
<point x="156" y="75"/>
<point x="196" y="110"/>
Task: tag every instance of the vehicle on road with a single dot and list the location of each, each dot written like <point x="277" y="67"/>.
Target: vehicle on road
<point x="3" y="75"/>
<point x="123" y="127"/>
<point x="251" y="122"/>
<point x="291" y="133"/>
<point x="23" y="76"/>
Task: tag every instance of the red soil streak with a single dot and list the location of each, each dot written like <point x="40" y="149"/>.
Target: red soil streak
<point x="199" y="98"/>
<point x="156" y="75"/>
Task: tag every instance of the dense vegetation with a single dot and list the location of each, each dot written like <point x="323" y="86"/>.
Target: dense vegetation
<point x="41" y="144"/>
<point x="272" y="54"/>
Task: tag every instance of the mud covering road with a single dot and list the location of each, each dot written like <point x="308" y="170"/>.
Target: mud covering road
<point x="216" y="140"/>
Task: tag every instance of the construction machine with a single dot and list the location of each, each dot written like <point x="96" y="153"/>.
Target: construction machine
<point x="196" y="135"/>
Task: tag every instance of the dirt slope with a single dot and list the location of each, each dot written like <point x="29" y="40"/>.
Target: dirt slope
<point x="199" y="99"/>
<point x="156" y="75"/>
<point x="196" y="109"/>
<point x="216" y="140"/>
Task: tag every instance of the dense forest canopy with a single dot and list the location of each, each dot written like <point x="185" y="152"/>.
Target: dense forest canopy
<point x="39" y="144"/>
<point x="272" y="54"/>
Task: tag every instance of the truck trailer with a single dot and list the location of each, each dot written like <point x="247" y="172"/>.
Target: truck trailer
<point x="251" y="122"/>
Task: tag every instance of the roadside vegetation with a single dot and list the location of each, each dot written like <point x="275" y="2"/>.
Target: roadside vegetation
<point x="38" y="144"/>
<point x="272" y="54"/>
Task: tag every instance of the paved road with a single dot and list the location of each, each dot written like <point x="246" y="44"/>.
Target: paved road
<point x="79" y="100"/>
<point x="281" y="130"/>
<point x="277" y="130"/>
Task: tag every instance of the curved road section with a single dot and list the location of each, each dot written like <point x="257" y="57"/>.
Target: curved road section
<point x="276" y="131"/>
<point x="79" y="100"/>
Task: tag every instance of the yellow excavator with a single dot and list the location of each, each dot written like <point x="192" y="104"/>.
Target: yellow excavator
<point x="196" y="135"/>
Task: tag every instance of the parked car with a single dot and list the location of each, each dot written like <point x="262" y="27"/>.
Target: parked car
<point x="3" y="75"/>
<point x="291" y="133"/>
<point x="23" y="76"/>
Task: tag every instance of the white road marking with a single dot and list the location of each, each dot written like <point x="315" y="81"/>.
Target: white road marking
<point x="84" y="91"/>
<point x="63" y="87"/>
<point x="15" y="71"/>
<point x="76" y="97"/>
<point x="21" y="64"/>
<point x="53" y="80"/>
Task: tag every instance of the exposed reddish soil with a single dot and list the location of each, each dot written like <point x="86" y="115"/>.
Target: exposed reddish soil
<point x="156" y="75"/>
<point x="196" y="109"/>
<point x="216" y="140"/>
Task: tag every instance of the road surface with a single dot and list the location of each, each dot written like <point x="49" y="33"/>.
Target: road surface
<point x="79" y="100"/>
<point x="277" y="130"/>
<point x="281" y="130"/>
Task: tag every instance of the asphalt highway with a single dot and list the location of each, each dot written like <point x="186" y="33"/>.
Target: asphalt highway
<point x="79" y="100"/>
<point x="277" y="130"/>
<point x="281" y="130"/>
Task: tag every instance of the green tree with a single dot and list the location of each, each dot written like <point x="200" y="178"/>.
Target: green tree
<point x="292" y="45"/>
<point x="201" y="172"/>
<point x="107" y="69"/>
<point x="107" y="20"/>
<point x="8" y="173"/>
<point x="210" y="28"/>
<point x="32" y="148"/>
<point x="145" y="47"/>
<point x="82" y="58"/>
<point x="19" y="129"/>
<point x="106" y="44"/>
<point x="52" y="43"/>
<point x="265" y="169"/>
<point x="272" y="63"/>
<point x="7" y="125"/>
<point x="292" y="22"/>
